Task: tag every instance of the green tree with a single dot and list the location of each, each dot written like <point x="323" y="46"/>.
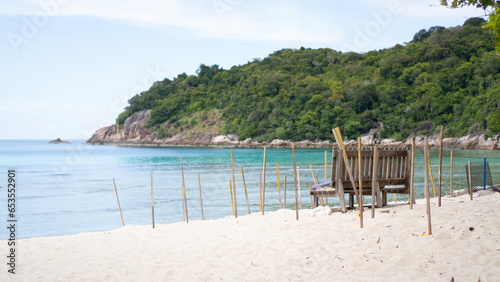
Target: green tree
<point x="445" y="75"/>
<point x="494" y="122"/>
<point x="491" y="8"/>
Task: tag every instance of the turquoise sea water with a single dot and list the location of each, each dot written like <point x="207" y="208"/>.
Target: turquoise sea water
<point x="68" y="188"/>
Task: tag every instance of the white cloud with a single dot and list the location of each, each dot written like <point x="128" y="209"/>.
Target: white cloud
<point x="224" y="19"/>
<point x="432" y="9"/>
<point x="423" y="9"/>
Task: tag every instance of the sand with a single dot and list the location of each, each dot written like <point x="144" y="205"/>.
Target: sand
<point x="321" y="246"/>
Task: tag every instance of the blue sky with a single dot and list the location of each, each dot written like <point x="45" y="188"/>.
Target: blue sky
<point x="69" y="66"/>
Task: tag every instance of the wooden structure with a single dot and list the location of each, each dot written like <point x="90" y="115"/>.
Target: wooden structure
<point x="393" y="167"/>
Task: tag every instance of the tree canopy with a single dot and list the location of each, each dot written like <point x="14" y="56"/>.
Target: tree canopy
<point x="491" y="8"/>
<point x="446" y="76"/>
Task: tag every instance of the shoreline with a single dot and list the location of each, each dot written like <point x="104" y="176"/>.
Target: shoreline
<point x="133" y="132"/>
<point x="299" y="144"/>
<point x="321" y="245"/>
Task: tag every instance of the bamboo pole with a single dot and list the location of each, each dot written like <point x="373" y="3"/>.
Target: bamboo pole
<point x="278" y="176"/>
<point x="470" y="181"/>
<point x="374" y="178"/>
<point x="451" y="174"/>
<point x="260" y="191"/>
<point x="295" y="180"/>
<point x="338" y="137"/>
<point x="184" y="193"/>
<point x="264" y="182"/>
<point x="117" y="199"/>
<point x="300" y="194"/>
<point x="183" y="205"/>
<point x="234" y="186"/>
<point x="315" y="181"/>
<point x="183" y="209"/>
<point x="426" y="179"/>
<point x="326" y="164"/>
<point x="440" y="165"/>
<point x="298" y="178"/>
<point x="152" y="201"/>
<point x="312" y="173"/>
<point x="432" y="177"/>
<point x="284" y="194"/>
<point x="231" y="192"/>
<point x="245" y="185"/>
<point x="360" y="176"/>
<point x="201" y="201"/>
<point x="412" y="196"/>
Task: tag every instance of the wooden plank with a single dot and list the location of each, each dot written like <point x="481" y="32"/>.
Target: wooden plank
<point x="332" y="174"/>
<point x="397" y="167"/>
<point x="398" y="190"/>
<point x="391" y="153"/>
<point x="381" y="167"/>
<point x="334" y="165"/>
<point x="382" y="153"/>
<point x="352" y="161"/>
<point x="388" y="172"/>
<point x="402" y="167"/>
<point x="370" y="167"/>
<point x="382" y="182"/>
<point x="408" y="171"/>
<point x="366" y="169"/>
<point x="380" y="172"/>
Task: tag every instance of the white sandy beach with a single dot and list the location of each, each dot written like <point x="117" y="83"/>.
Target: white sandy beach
<point x="277" y="247"/>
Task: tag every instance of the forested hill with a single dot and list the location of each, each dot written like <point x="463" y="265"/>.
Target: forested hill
<point x="444" y="76"/>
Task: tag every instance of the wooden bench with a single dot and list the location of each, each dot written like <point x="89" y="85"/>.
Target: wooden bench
<point x="393" y="174"/>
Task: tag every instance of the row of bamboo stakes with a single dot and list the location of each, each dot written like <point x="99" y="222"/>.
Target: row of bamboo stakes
<point x="298" y="203"/>
<point x="232" y="186"/>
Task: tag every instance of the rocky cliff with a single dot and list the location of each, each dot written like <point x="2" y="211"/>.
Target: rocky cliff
<point x="133" y="133"/>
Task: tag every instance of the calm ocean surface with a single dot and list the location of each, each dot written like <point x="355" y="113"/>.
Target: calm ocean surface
<point x="68" y="188"/>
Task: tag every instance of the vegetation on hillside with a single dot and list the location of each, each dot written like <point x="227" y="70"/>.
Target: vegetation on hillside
<point x="491" y="9"/>
<point x="449" y="76"/>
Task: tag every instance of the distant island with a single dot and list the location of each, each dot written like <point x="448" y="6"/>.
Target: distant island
<point x="59" y="141"/>
<point x="443" y="76"/>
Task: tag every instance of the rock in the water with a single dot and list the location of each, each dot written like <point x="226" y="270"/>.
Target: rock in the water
<point x="58" y="141"/>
